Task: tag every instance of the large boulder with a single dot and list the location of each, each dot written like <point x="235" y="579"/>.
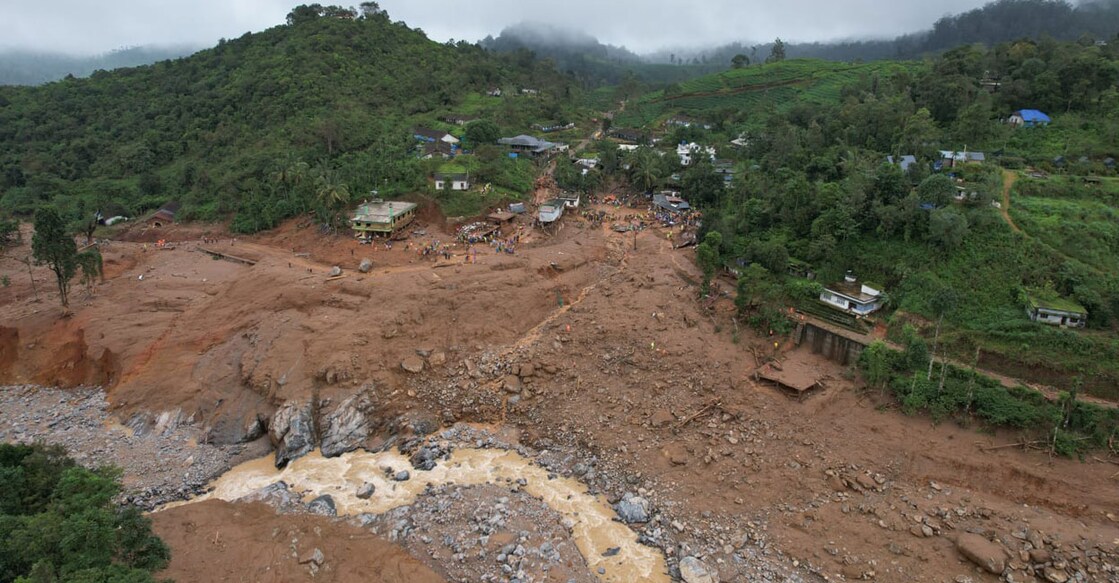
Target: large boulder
<point x="692" y="570"/>
<point x="276" y="495"/>
<point x="366" y="265"/>
<point x="348" y="426"/>
<point x="412" y="364"/>
<point x="292" y="431"/>
<point x="632" y="509"/>
<point x="323" y="505"/>
<point x="989" y="555"/>
<point x="365" y="490"/>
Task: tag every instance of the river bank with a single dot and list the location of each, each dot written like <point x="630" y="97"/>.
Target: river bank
<point x="160" y="463"/>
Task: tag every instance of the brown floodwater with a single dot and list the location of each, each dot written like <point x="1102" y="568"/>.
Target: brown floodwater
<point x="594" y="528"/>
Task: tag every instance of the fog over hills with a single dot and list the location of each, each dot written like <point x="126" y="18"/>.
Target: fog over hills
<point x="24" y="67"/>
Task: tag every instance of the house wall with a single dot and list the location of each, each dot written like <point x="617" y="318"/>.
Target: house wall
<point x="834" y="300"/>
<point x="844" y="304"/>
<point x="832" y="346"/>
<point x="398" y="222"/>
<point x="1057" y="318"/>
<point x="455" y="185"/>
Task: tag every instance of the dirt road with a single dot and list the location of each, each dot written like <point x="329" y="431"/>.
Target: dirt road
<point x="1009" y="177"/>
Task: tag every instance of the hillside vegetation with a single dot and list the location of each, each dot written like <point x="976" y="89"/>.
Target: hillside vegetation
<point x="753" y="93"/>
<point x="314" y="113"/>
<point x="812" y="187"/>
<point x="58" y="522"/>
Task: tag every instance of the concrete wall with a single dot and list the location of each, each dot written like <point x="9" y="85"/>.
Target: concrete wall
<point x="828" y="344"/>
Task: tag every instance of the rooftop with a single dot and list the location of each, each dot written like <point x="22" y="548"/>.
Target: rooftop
<point x="1032" y="115"/>
<point x="429" y="133"/>
<point x="526" y="142"/>
<point x="670" y="202"/>
<point x="381" y="211"/>
<point x="963" y="156"/>
<point x="903" y="161"/>
<point x="853" y="290"/>
<point x="1049" y="300"/>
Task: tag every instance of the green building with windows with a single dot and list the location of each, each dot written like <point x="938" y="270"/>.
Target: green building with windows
<point x="378" y="217"/>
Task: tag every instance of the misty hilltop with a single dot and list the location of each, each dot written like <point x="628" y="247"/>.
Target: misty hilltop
<point x="1001" y="21"/>
<point x="21" y="67"/>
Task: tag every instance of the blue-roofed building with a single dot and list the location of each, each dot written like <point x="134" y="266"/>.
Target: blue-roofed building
<point x="1029" y="118"/>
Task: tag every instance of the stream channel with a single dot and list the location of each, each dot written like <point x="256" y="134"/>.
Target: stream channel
<point x="595" y="528"/>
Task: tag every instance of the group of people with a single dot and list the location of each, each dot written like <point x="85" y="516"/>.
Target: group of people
<point x="684" y="219"/>
<point x="597" y="217"/>
<point x="436" y="248"/>
<point x="508" y="245"/>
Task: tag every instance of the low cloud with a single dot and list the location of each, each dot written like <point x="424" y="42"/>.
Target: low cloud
<point x="83" y="27"/>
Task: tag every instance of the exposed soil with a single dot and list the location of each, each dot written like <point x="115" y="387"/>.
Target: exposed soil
<point x="219" y="541"/>
<point x="601" y="356"/>
<point x="1009" y="177"/>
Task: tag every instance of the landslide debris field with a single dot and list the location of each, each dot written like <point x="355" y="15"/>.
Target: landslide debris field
<point x="581" y="353"/>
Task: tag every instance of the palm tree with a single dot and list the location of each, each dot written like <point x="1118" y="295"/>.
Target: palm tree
<point x="289" y="175"/>
<point x="331" y="193"/>
<point x="645" y="169"/>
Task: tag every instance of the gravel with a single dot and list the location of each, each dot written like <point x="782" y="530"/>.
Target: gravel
<point x="159" y="465"/>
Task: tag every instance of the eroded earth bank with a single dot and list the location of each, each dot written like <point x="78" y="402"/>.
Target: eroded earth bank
<point x="570" y="412"/>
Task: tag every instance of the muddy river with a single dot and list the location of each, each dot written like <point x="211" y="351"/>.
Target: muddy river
<point x="594" y="530"/>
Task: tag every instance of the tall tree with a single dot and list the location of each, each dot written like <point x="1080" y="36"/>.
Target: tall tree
<point x="777" y="53"/>
<point x="646" y="169"/>
<point x="942" y="302"/>
<point x="707" y="255"/>
<point x="51" y="245"/>
<point x="332" y="194"/>
<point x="947" y="227"/>
<point x="739" y="61"/>
<point x="482" y="132"/>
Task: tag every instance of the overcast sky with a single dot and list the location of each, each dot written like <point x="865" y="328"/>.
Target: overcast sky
<point x="86" y="26"/>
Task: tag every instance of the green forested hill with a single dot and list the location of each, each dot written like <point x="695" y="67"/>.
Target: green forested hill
<point x="329" y="95"/>
<point x="755" y="92"/>
<point x="812" y="190"/>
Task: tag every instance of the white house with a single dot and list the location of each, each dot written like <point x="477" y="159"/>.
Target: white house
<point x="589" y="163"/>
<point x="1048" y="308"/>
<point x="852" y="296"/>
<point x="429" y="135"/>
<point x="457" y="181"/>
<point x="687" y="151"/>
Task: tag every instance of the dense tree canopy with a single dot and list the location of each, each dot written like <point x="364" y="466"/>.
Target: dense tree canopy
<point x="58" y="522"/>
<point x="335" y="89"/>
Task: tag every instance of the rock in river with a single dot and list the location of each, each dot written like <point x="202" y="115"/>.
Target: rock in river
<point x="323" y="505"/>
<point x="347" y="426"/>
<point x="292" y="431"/>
